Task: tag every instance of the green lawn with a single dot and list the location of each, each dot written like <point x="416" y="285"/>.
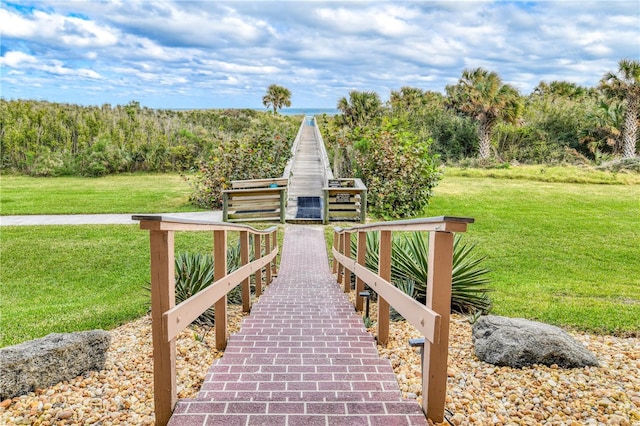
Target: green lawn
<point x="69" y="278"/>
<point x="139" y="193"/>
<point x="562" y="253"/>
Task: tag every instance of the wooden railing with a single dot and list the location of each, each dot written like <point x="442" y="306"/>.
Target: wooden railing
<point x="345" y="200"/>
<point x="169" y="319"/>
<point x="432" y="318"/>
<point x="255" y="200"/>
<point x="324" y="158"/>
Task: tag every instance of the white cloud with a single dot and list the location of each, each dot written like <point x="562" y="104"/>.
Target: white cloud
<point x="228" y="52"/>
<point x="17" y="59"/>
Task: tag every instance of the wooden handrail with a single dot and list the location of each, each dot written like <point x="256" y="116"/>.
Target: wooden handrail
<point x="430" y="319"/>
<point x="168" y="320"/>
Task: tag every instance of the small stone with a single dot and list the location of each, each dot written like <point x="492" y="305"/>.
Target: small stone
<point x="63" y="415"/>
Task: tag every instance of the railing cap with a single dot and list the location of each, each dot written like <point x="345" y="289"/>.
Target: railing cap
<point x="221" y="225"/>
<point x="410" y="224"/>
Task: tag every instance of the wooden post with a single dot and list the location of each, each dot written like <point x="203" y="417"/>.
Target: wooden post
<point x="244" y="259"/>
<point x="283" y="205"/>
<point x="434" y="377"/>
<point x="361" y="257"/>
<point x="219" y="271"/>
<point x="341" y="251"/>
<point x="336" y="242"/>
<point x="163" y="299"/>
<point x="257" y="254"/>
<point x="267" y="269"/>
<point x="274" y="262"/>
<point x="325" y="206"/>
<point x="363" y="206"/>
<point x="384" y="270"/>
<point x="225" y="207"/>
<point x="346" y="249"/>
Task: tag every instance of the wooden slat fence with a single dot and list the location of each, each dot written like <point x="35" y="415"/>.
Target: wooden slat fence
<point x="345" y="200"/>
<point x="169" y="319"/>
<point x="432" y="318"/>
<point x="255" y="200"/>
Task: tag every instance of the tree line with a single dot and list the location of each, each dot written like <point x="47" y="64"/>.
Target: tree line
<point x="482" y="116"/>
<point x="51" y="139"/>
<point x="396" y="147"/>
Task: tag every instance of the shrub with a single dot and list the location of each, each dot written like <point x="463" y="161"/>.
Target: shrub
<point x="195" y="272"/>
<point x="409" y="268"/>
<point x="629" y="165"/>
<point x="396" y="168"/>
<point x="261" y="152"/>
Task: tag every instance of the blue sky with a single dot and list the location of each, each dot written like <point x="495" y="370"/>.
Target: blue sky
<point x="206" y="54"/>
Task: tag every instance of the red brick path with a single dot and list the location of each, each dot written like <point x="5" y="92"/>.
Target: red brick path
<point x="302" y="357"/>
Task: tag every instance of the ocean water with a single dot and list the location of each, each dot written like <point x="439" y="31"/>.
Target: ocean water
<point x="308" y="111"/>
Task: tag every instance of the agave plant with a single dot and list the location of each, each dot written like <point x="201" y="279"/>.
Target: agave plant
<point x="194" y="273"/>
<point x="409" y="263"/>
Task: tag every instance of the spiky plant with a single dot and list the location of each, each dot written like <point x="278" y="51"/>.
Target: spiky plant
<point x="409" y="262"/>
<point x="194" y="273"/>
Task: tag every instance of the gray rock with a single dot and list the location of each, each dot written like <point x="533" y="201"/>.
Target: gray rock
<point x="517" y="342"/>
<point x="44" y="362"/>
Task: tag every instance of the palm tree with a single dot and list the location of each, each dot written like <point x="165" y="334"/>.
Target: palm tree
<point x="277" y="97"/>
<point x="481" y="95"/>
<point x="407" y="98"/>
<point x="360" y="108"/>
<point x="626" y="86"/>
<point x="562" y="89"/>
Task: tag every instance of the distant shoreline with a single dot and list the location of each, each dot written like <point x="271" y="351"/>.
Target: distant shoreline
<point x="307" y="111"/>
<point x="284" y="111"/>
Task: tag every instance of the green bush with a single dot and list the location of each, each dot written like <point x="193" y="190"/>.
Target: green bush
<point x="195" y="272"/>
<point x="409" y="270"/>
<point x="397" y="169"/>
<point x="262" y="151"/>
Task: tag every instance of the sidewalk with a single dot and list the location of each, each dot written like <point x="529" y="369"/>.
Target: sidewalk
<point x="99" y="219"/>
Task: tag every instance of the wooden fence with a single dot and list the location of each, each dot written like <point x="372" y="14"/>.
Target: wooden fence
<point x="432" y="318"/>
<point x="345" y="200"/>
<point x="255" y="200"/>
<point x="169" y="319"/>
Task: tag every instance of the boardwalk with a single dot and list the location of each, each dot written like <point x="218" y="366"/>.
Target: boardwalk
<point x="308" y="173"/>
<point x="302" y="357"/>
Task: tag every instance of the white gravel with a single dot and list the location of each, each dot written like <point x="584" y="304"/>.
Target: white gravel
<point x="477" y="393"/>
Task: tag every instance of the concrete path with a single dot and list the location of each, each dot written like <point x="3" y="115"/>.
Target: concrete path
<point x="303" y="357"/>
<point x="98" y="219"/>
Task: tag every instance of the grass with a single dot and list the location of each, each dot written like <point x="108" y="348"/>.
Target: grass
<point x="542" y="173"/>
<point x="561" y="253"/>
<point x="71" y="278"/>
<point x="124" y="193"/>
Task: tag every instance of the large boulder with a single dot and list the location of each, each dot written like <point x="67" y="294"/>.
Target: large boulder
<point x="44" y="362"/>
<point x="517" y="342"/>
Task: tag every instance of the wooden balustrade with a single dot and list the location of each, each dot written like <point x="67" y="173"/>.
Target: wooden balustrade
<point x="431" y="318"/>
<point x="255" y="199"/>
<point x="169" y="319"/>
<point x="345" y="200"/>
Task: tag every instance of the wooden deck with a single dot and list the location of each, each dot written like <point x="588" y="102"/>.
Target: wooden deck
<point x="309" y="170"/>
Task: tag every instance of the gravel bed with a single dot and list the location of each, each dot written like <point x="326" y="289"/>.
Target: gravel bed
<point x="477" y="393"/>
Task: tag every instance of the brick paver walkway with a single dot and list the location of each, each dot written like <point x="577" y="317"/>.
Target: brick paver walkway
<point x="302" y="357"/>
